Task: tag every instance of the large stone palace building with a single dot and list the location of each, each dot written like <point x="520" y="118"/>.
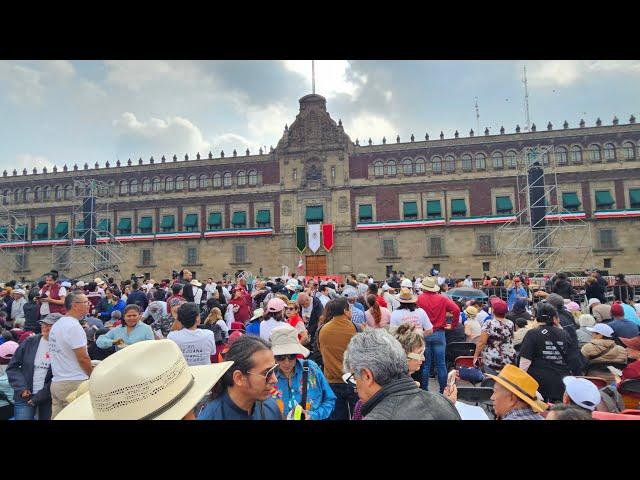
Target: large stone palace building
<point x="408" y="205"/>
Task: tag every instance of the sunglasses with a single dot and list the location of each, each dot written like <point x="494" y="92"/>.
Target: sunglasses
<point x="290" y="356"/>
<point x="415" y="356"/>
<point x="292" y="308"/>
<point x="266" y="375"/>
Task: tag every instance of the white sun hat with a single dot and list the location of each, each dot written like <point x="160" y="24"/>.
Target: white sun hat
<point x="284" y="341"/>
<point x="145" y="381"/>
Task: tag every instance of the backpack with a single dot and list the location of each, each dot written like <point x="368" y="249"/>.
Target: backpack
<point x="219" y="335"/>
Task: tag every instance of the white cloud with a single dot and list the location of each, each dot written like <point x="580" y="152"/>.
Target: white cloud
<point x="228" y="142"/>
<point x="174" y="134"/>
<point x="367" y="125"/>
<point x="59" y="69"/>
<point x="28" y="161"/>
<point x="267" y="124"/>
<point x="562" y="73"/>
<point x="136" y="74"/>
<point x="90" y="91"/>
<point x="22" y="84"/>
<point x="331" y="76"/>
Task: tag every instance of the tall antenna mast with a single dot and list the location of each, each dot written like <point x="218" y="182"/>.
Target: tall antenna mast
<point x="526" y="99"/>
<point x="313" y="76"/>
<point x="477" y="117"/>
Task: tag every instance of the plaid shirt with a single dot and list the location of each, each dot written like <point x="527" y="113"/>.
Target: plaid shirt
<point x="523" y="414"/>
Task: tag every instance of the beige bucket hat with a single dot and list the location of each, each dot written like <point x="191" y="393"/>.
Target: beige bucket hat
<point x="284" y="341"/>
<point x="146" y="381"/>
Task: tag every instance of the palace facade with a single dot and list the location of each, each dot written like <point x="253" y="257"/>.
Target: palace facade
<point x="406" y="205"/>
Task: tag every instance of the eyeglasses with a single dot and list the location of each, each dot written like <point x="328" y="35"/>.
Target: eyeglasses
<point x="415" y="356"/>
<point x="266" y="375"/>
<point x="290" y="356"/>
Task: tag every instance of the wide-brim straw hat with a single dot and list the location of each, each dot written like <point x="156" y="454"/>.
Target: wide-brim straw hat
<point x="521" y="384"/>
<point x="258" y="313"/>
<point x="284" y="341"/>
<point x="148" y="380"/>
<point x="405" y="296"/>
<point x="429" y="284"/>
<point x="196" y="283"/>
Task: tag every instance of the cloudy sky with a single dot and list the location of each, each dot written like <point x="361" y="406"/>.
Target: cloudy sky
<point x="57" y="112"/>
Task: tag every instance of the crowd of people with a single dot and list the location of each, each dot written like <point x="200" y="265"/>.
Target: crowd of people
<point x="300" y="349"/>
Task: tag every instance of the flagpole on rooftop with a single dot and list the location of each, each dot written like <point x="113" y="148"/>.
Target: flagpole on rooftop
<point x="313" y="77"/>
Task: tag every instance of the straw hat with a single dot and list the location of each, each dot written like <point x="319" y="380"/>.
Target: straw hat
<point x="147" y="380"/>
<point x="284" y="341"/>
<point x="471" y="311"/>
<point x="99" y="281"/>
<point x="405" y="296"/>
<point x="196" y="283"/>
<point x="257" y="313"/>
<point x="521" y="384"/>
<point x="430" y="284"/>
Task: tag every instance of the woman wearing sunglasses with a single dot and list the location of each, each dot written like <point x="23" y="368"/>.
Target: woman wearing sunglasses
<point x="294" y="319"/>
<point x="302" y="391"/>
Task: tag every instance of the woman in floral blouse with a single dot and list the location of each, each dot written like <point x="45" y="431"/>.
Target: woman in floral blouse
<point x="496" y="339"/>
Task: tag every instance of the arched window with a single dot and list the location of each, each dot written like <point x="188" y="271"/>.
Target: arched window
<point x="466" y="162"/>
<point x="226" y="179"/>
<point x="46" y="193"/>
<point x="511" y="159"/>
<point x="36" y="194"/>
<point x="57" y="192"/>
<point x="146" y="185"/>
<point x="420" y="168"/>
<point x="112" y="188"/>
<point x="5" y="197"/>
<point x="498" y="160"/>
<point x="481" y="161"/>
<point x="133" y="186"/>
<point x="253" y="178"/>
<point x="203" y="181"/>
<point x="217" y="180"/>
<point x="193" y="182"/>
<point x="609" y="152"/>
<point x="545" y="158"/>
<point x="155" y="185"/>
<point x="449" y="164"/>
<point x="28" y="195"/>
<point x="594" y="153"/>
<point x="67" y="192"/>
<point x="16" y="195"/>
<point x="628" y="150"/>
<point x="169" y="184"/>
<point x="179" y="183"/>
<point x="436" y="165"/>
<point x="576" y="154"/>
<point x="407" y="166"/>
<point x="391" y="167"/>
<point x="241" y="178"/>
<point x="124" y="188"/>
<point x="561" y="156"/>
<point x="378" y="169"/>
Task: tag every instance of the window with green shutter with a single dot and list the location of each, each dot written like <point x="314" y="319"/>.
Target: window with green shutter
<point x="634" y="198"/>
<point x="410" y="210"/>
<point x="263" y="219"/>
<point x="79" y="228"/>
<point x="4" y="232"/>
<point x="314" y="214"/>
<point x="20" y="232"/>
<point x="604" y="200"/>
<point x="168" y="223"/>
<point x="570" y="201"/>
<point x="503" y="205"/>
<point x="215" y="221"/>
<point x="146" y="225"/>
<point x="41" y="231"/>
<point x="191" y="222"/>
<point x="62" y="229"/>
<point x="104" y="226"/>
<point x="458" y="207"/>
<point x="365" y="213"/>
<point x="434" y="209"/>
<point x="124" y="226"/>
<point x="239" y="219"/>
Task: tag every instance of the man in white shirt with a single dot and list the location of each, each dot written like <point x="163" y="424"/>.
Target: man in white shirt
<point x="468" y="281"/>
<point x="275" y="311"/>
<point x="210" y="287"/>
<point x="324" y="295"/>
<point x="197" y="344"/>
<point x="70" y="362"/>
<point x="46" y="292"/>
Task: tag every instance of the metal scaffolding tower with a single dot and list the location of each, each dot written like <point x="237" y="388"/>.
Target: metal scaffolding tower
<point x="14" y="226"/>
<point x="79" y="257"/>
<point x="560" y="243"/>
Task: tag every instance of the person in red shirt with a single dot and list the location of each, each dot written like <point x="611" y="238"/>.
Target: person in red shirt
<point x="436" y="306"/>
<point x="241" y="310"/>
<point x="373" y="290"/>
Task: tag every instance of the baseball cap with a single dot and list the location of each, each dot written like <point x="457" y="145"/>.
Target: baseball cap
<point x="7" y="349"/>
<point x="275" y="305"/>
<point x="51" y="318"/>
<point x="556" y="300"/>
<point x="80" y="284"/>
<point x="582" y="392"/>
<point x="617" y="310"/>
<point x="406" y="283"/>
<point x="20" y="291"/>
<point x="593" y="301"/>
<point x="65" y="284"/>
<point x="573" y="307"/>
<point x="499" y="306"/>
<point x="602" y="329"/>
